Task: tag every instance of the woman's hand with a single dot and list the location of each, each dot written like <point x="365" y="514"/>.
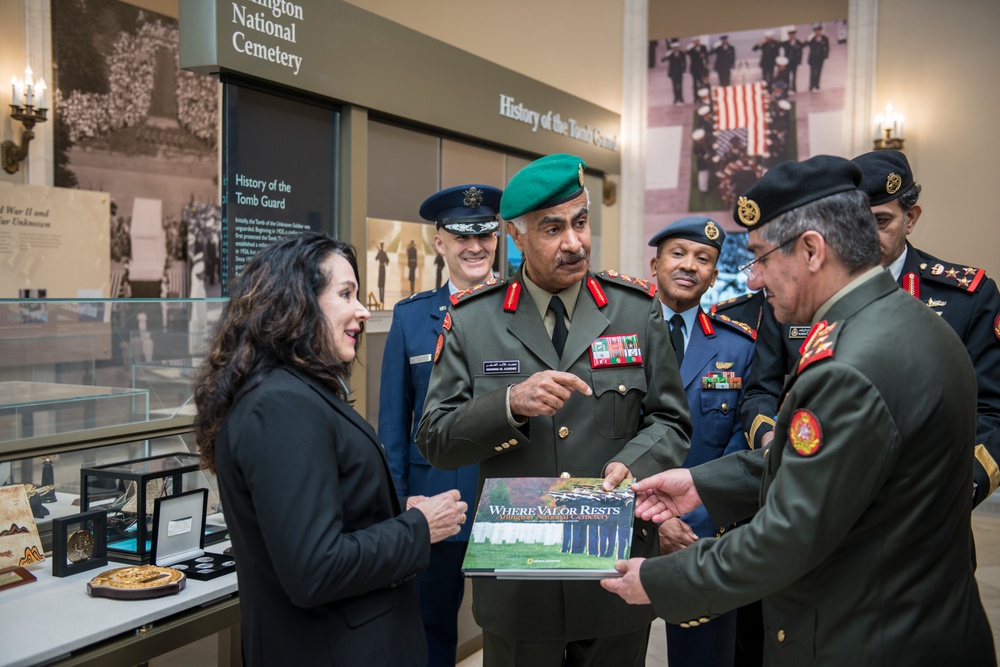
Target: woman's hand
<point x="445" y="514"/>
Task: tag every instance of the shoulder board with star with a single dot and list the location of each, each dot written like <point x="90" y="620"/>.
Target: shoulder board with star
<point x="742" y="327"/>
<point x="731" y="303"/>
<point x="466" y="295"/>
<point x="420" y="296"/>
<point x="612" y="277"/>
<point x="819" y="344"/>
<point x="959" y="276"/>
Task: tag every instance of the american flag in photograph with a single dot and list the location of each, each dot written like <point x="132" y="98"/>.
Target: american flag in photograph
<point x="743" y="106"/>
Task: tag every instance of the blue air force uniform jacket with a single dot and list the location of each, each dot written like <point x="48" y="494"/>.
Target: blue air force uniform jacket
<point x="406" y="371"/>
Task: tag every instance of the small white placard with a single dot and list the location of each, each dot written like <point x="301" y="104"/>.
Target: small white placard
<point x="179" y="526"/>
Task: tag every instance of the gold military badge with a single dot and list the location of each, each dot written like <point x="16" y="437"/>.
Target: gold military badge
<point x="580" y="170"/>
<point x="711" y="231"/>
<point x="748" y="211"/>
<point x="892" y="183"/>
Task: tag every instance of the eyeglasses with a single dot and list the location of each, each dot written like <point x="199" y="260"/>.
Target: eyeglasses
<point x="748" y="268"/>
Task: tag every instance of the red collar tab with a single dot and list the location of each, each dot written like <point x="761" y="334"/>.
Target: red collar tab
<point x="706" y="324"/>
<point x="600" y="298"/>
<point x="911" y="283"/>
<point x="446" y="326"/>
<point x="818" y="345"/>
<point x="513" y="297"/>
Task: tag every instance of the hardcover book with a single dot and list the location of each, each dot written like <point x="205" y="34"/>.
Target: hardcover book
<point x="549" y="528"/>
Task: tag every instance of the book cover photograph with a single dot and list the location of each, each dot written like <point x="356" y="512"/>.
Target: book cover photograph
<point x="550" y="528"/>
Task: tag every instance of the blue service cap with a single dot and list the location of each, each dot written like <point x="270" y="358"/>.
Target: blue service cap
<point x="693" y="228"/>
<point x="464" y="209"/>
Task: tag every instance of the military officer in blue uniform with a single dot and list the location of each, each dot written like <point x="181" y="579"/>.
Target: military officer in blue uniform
<point x="962" y="295"/>
<point x="714" y="356"/>
<point x="466" y="219"/>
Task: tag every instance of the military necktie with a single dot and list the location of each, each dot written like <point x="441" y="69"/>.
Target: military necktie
<point x="677" y="337"/>
<point x="559" y="332"/>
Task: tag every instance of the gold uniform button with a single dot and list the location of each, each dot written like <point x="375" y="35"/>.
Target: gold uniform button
<point x="693" y="624"/>
<point x="781" y="636"/>
<point x="621" y="388"/>
<point x="506" y="445"/>
<point x="498" y="448"/>
<point x="644" y="532"/>
<point x="703" y="619"/>
<point x="725" y="407"/>
<point x="512" y="441"/>
<point x="563" y="432"/>
<point x="564" y="475"/>
<point x="685" y="625"/>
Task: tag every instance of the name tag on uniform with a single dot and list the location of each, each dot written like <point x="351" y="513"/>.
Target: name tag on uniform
<point x="621" y="350"/>
<point x="508" y="367"/>
<point x="421" y="359"/>
<point x="798" y="331"/>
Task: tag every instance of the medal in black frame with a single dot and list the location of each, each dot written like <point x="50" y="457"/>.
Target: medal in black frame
<point x="79" y="542"/>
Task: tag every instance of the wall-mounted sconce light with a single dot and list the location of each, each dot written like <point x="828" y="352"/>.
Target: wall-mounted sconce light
<point x="28" y="106"/>
<point x="889" y="129"/>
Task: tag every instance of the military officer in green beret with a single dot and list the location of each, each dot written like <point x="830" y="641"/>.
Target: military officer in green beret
<point x="860" y="539"/>
<point x="524" y="385"/>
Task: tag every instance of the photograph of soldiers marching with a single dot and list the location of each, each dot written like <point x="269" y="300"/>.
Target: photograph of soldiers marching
<point x="724" y="108"/>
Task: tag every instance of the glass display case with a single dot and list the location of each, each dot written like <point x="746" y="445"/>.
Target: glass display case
<point x="127" y="490"/>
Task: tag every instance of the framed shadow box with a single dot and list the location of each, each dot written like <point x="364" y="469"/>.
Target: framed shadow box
<point x="79" y="543"/>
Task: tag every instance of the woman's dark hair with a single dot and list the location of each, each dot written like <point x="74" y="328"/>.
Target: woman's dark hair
<point x="272" y="319"/>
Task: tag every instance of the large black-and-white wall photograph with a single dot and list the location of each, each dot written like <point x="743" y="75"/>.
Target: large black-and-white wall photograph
<point x="129" y="122"/>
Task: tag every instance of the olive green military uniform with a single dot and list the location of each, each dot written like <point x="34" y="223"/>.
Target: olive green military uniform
<point x="860" y="542"/>
<point x="637" y="415"/>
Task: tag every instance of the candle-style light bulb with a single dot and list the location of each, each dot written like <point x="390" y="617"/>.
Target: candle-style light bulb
<point x="13" y="91"/>
<point x="40" y="93"/>
<point x="901" y="119"/>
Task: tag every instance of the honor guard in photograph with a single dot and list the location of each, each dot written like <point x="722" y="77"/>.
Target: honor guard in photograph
<point x="859" y="535"/>
<point x="557" y="371"/>
<point x="467" y="224"/>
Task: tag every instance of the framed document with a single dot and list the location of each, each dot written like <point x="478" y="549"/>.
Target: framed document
<point x="79" y="543"/>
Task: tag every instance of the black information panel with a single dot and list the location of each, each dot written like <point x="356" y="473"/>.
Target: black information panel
<point x="279" y="171"/>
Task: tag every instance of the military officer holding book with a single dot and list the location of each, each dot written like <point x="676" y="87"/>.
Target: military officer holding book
<point x="548" y="373"/>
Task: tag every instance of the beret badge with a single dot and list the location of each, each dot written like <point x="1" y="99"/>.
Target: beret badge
<point x="711" y="231"/>
<point x="580" y="171"/>
<point x="473" y="197"/>
<point x="892" y="183"/>
<point x="748" y="211"/>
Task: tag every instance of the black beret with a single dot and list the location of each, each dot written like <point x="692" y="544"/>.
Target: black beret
<point x="694" y="228"/>
<point x="884" y="175"/>
<point x="464" y="209"/>
<point x="792" y="184"/>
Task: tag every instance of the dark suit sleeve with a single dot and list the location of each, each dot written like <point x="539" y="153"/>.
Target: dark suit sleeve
<point x="798" y="525"/>
<point x="396" y="402"/>
<point x="983" y="345"/>
<point x="302" y="468"/>
<point x="759" y="404"/>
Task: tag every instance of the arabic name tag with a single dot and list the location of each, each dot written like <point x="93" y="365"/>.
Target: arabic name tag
<point x="508" y="367"/>
<point x="622" y="350"/>
<point x="797" y="331"/>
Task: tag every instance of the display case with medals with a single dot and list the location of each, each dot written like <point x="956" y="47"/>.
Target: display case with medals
<point x="128" y="491"/>
<point x="179" y="538"/>
<point x="79" y="543"/>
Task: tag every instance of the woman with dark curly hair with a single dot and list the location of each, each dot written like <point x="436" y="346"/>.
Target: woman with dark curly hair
<point x="323" y="554"/>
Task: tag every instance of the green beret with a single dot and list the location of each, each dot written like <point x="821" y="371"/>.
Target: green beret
<point x="790" y="185"/>
<point x="546" y="182"/>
